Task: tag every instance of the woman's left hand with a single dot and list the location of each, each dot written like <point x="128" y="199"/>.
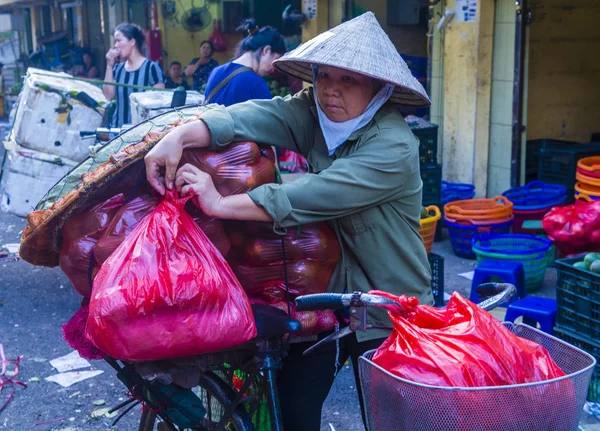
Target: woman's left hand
<point x="191" y="180"/>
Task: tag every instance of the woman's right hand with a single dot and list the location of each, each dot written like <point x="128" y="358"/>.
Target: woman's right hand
<point x="111" y="57"/>
<point x="162" y="161"/>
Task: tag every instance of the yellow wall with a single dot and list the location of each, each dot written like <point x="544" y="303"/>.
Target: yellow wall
<point x="467" y="91"/>
<point x="183" y="46"/>
<point x="564" y="70"/>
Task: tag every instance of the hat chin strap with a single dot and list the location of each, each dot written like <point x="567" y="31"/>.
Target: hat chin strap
<point x="336" y="133"/>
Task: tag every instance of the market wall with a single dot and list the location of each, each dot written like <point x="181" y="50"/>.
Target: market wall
<point x="182" y="45"/>
<point x="564" y="70"/>
<point x="408" y="39"/>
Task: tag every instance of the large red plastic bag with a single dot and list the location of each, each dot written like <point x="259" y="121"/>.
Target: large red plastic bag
<point x="212" y="227"/>
<point x="574" y="228"/>
<point x="460" y="345"/>
<point x="304" y="276"/>
<point x="238" y="169"/>
<point x="123" y="223"/>
<point x="80" y="234"/>
<point x="166" y="292"/>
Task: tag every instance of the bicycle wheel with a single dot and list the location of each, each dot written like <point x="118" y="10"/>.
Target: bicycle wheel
<point x="216" y="395"/>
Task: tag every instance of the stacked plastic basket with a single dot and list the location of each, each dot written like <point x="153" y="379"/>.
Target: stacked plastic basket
<point x="588" y="179"/>
<point x="456" y="192"/>
<point x="532" y="201"/>
<point x="476" y="217"/>
<point x="532" y="251"/>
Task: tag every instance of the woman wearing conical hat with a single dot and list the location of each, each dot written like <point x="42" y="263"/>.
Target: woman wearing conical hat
<point x="364" y="180"/>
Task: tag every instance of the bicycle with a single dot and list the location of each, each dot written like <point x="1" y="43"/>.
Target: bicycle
<point x="165" y="388"/>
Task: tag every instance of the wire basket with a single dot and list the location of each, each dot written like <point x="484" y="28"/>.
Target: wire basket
<point x="428" y="226"/>
<point x="394" y="403"/>
<point x="532" y="251"/>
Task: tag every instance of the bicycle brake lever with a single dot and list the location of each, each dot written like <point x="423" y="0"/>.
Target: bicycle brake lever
<point x="332" y="337"/>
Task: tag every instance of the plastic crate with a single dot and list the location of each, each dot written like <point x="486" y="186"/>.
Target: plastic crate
<point x="431" y="174"/>
<point x="558" y="161"/>
<point x="437" y="278"/>
<point x="590" y="346"/>
<point x="578" y="298"/>
<point x="532" y="158"/>
<point x="427" y="134"/>
<point x="415" y="64"/>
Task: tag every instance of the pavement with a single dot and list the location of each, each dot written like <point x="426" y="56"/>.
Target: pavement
<point x="35" y="302"/>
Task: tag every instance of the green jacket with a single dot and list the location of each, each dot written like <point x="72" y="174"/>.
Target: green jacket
<point x="368" y="191"/>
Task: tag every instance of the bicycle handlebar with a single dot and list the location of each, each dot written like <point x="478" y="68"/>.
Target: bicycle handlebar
<point x="321" y="301"/>
<point x="497" y="294"/>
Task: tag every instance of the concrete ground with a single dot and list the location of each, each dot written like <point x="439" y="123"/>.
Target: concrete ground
<point x="35" y="302"/>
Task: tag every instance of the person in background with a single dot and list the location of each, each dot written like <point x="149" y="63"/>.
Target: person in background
<point x="241" y="79"/>
<point x="176" y="78"/>
<point x="201" y="67"/>
<point x="125" y="64"/>
<point x="89" y="70"/>
<point x="292" y="27"/>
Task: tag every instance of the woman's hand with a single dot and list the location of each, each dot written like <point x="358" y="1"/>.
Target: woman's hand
<point x="191" y="180"/>
<point x="161" y="162"/>
<point x="111" y="57"/>
<point x="163" y="159"/>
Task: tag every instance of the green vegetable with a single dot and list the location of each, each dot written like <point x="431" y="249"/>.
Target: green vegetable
<point x="424" y="213"/>
<point x="591" y="258"/>
<point x="595" y="267"/>
<point x="581" y="265"/>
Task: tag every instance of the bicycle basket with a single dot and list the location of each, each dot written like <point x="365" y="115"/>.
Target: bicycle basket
<point x="395" y="403"/>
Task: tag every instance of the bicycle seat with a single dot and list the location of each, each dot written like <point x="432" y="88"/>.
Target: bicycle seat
<point x="271" y="321"/>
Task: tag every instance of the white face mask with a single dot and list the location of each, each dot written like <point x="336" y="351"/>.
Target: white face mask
<point x="337" y="133"/>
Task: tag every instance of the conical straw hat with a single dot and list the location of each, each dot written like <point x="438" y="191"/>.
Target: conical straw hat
<point x="359" y="45"/>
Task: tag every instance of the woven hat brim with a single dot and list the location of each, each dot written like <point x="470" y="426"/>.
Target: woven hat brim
<point x="302" y="69"/>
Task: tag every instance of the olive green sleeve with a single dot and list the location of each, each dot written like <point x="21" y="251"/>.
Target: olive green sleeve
<point x="285" y="123"/>
<point x="380" y="170"/>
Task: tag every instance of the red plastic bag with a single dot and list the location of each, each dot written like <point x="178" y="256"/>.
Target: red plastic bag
<point x="74" y="334"/>
<point x="123" y="223"/>
<point x="304" y="276"/>
<point x="574" y="228"/>
<point x="80" y="234"/>
<point x="460" y="345"/>
<point x="212" y="227"/>
<point x="260" y="246"/>
<point x="166" y="292"/>
<point x="217" y="40"/>
<point x="292" y="161"/>
<point x="238" y="169"/>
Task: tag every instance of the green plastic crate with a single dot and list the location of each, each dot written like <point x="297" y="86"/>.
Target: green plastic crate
<point x="578" y="298"/>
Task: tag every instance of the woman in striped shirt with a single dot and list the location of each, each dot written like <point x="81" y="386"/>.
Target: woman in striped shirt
<point x="133" y="69"/>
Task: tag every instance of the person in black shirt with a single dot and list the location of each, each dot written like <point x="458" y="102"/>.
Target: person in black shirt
<point x="176" y="78"/>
